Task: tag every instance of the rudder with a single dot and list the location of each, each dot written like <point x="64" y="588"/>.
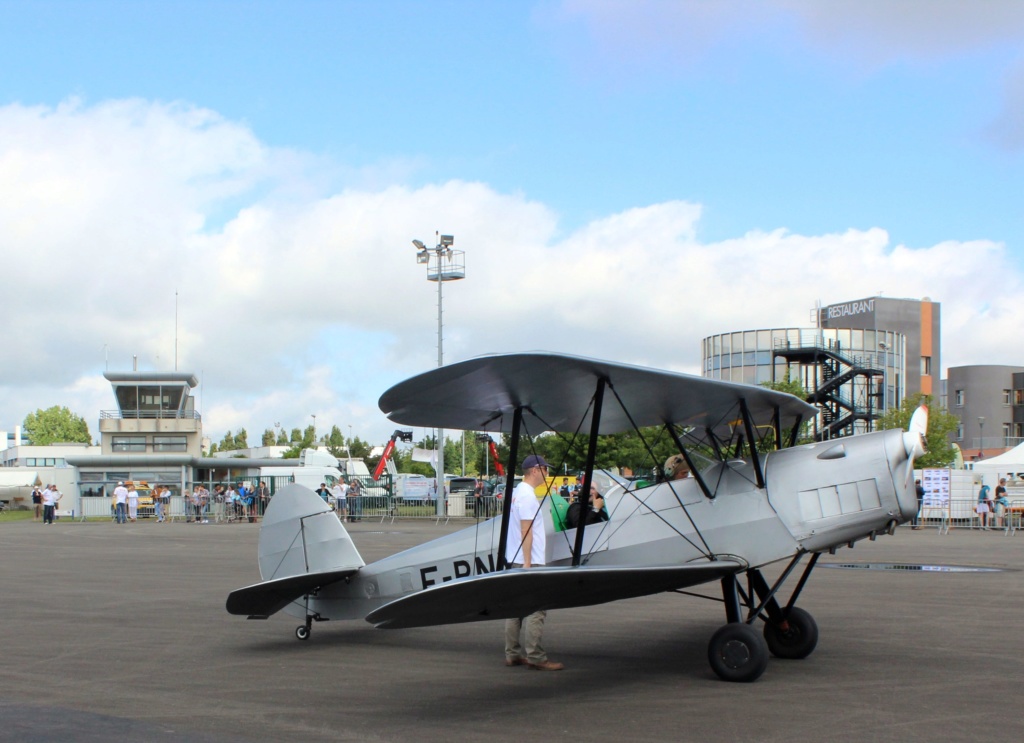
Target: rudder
<point x="300" y="534"/>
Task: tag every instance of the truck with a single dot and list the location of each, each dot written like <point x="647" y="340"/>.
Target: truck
<point x="314" y="467"/>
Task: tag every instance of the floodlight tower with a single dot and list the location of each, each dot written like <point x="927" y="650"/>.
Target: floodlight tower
<point x="450" y="265"/>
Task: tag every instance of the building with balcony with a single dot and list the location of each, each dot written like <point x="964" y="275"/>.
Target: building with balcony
<point x="851" y="375"/>
<point x="989" y="402"/>
<point x="862" y="358"/>
<point x="155" y="415"/>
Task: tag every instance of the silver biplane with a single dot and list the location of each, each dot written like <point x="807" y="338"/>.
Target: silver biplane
<point x="743" y="509"/>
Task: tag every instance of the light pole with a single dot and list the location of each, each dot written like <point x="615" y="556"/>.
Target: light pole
<point x="313" y="416"/>
<point x="483" y="438"/>
<point x="885" y="374"/>
<point x="981" y="434"/>
<point x="450" y="265"/>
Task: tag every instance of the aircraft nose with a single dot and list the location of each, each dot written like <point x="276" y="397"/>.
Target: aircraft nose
<point x="914" y="438"/>
<point x="913" y="444"/>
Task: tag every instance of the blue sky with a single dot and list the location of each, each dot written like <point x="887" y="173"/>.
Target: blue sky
<point x="637" y="165"/>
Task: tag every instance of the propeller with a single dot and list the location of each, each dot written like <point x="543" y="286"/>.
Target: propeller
<point x="914" y="438"/>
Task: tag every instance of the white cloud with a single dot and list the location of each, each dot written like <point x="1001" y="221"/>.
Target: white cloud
<point x="314" y="304"/>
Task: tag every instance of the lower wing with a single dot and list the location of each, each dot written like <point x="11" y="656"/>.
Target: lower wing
<point x="519" y="592"/>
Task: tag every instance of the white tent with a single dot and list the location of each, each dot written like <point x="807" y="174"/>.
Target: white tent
<point x="18" y="478"/>
<point x="1009" y="465"/>
<point x="16" y="484"/>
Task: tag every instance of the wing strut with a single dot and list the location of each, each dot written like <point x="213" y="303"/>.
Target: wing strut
<point x="794" y="432"/>
<point x="510" y="481"/>
<point x="691" y="464"/>
<point x="777" y="427"/>
<point x="748" y="423"/>
<point x="588" y="472"/>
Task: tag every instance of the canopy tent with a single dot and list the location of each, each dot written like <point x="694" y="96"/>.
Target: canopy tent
<point x="1009" y="463"/>
<point x="18" y="478"/>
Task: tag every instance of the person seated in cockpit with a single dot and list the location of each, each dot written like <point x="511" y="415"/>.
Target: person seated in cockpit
<point x="596" y="512"/>
<point x="676" y="467"/>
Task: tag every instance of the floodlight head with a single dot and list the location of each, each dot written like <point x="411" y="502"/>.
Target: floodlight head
<point x="419" y="245"/>
<point x="423" y="257"/>
<point x="447" y="240"/>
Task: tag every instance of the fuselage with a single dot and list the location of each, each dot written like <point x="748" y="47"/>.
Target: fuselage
<point x="816" y="497"/>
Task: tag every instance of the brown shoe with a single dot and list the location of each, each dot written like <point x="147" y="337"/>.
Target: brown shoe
<point x="510" y="662"/>
<point x="546" y="665"/>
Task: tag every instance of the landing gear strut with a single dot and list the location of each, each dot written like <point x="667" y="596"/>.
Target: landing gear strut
<point x="303" y="631"/>
<point x="738" y="652"/>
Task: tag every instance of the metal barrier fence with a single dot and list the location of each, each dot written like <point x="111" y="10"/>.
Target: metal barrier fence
<point x="963" y="513"/>
<point x="365" y="507"/>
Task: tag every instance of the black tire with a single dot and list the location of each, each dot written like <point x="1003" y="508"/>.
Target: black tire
<point x="737" y="652"/>
<point x="302" y="632"/>
<point x="798" y="641"/>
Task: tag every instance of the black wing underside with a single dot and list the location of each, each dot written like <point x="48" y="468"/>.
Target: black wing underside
<point x="517" y="593"/>
<point x="555" y="391"/>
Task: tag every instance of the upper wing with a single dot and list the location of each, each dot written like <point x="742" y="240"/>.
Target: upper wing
<point x="517" y="593"/>
<point x="555" y="392"/>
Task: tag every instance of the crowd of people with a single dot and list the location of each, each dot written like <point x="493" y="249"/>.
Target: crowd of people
<point x="991" y="509"/>
<point x="346" y="497"/>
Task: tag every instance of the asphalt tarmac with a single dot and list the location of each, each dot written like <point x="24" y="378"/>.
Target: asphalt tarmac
<point x="120" y="633"/>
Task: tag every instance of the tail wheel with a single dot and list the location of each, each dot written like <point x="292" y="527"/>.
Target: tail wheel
<point x="737" y="652"/>
<point x="797" y="640"/>
<point x="302" y="632"/>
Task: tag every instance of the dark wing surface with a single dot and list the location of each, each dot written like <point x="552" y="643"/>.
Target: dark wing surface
<point x="517" y="593"/>
<point x="555" y="392"/>
<point x="260" y="600"/>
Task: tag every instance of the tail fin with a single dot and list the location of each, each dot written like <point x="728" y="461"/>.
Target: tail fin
<point x="301" y="535"/>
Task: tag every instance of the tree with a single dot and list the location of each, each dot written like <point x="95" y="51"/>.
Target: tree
<point x="282" y="439"/>
<point x="941" y="424"/>
<point x="793" y="387"/>
<point x="268" y="437"/>
<point x="56" y="425"/>
<point x="336" y="443"/>
<point x="227" y="443"/>
<point x="300" y="441"/>
<point x="788" y="385"/>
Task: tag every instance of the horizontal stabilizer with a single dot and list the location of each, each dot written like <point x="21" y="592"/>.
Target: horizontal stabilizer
<point x="260" y="600"/>
<point x="519" y="592"/>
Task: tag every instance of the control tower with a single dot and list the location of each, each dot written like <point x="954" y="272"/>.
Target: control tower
<point x="156" y="415"/>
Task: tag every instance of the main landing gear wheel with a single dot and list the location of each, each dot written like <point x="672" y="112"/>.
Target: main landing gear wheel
<point x="302" y="632"/>
<point x="737" y="652"/>
<point x="795" y="642"/>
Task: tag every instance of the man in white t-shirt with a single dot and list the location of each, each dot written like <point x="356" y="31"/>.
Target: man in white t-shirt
<point x="50" y="497"/>
<point x="120" y="503"/>
<point x="338" y="492"/>
<point x="526" y="547"/>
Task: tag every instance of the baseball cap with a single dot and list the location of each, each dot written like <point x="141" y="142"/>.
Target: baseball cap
<point x="534" y="460"/>
<point x="120" y="483"/>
